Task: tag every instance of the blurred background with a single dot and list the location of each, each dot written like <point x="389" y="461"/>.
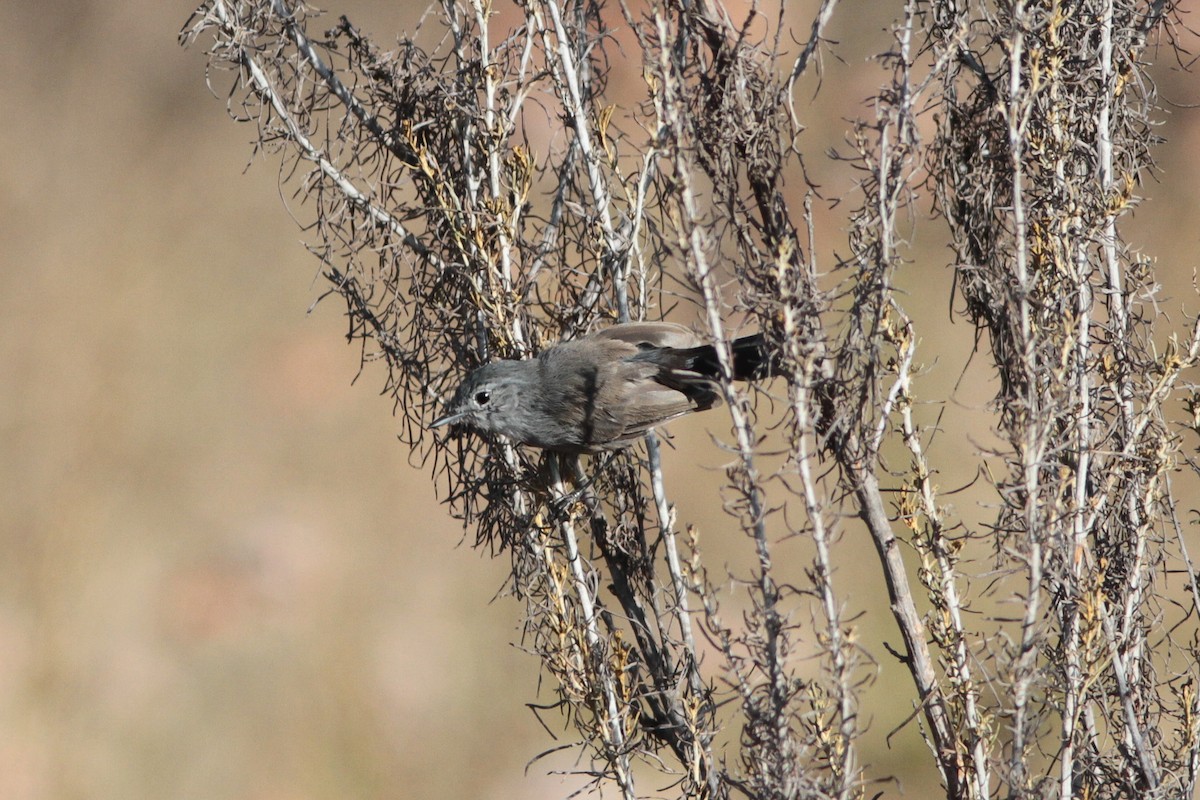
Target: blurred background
<point x="222" y="577"/>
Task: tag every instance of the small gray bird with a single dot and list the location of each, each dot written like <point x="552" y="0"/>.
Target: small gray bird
<point x="603" y="391"/>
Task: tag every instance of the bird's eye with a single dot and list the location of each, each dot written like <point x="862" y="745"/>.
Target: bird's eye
<point x="482" y="397"/>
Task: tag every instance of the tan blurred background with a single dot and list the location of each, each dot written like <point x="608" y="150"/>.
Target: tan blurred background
<point x="221" y="578"/>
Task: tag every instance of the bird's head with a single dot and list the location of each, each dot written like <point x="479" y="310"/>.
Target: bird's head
<point x="489" y="399"/>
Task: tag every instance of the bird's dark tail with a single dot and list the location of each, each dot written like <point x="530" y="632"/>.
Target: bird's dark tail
<point x="752" y="359"/>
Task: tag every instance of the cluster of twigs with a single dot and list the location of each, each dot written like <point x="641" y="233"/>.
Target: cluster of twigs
<point x="484" y="194"/>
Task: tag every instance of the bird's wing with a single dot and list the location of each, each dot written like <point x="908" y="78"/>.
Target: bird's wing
<point x="650" y="334"/>
<point x="642" y="394"/>
<point x="641" y="381"/>
<point x="654" y="407"/>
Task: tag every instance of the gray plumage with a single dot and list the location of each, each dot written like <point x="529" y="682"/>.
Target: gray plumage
<point x="600" y="392"/>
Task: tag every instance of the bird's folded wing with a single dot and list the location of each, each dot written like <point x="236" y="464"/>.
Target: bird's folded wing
<point x="651" y="407"/>
<point x="650" y="334"/>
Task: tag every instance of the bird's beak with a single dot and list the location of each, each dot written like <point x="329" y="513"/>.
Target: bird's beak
<point x="447" y="419"/>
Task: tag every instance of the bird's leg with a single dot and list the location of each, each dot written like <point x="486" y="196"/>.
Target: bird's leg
<point x="569" y="464"/>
